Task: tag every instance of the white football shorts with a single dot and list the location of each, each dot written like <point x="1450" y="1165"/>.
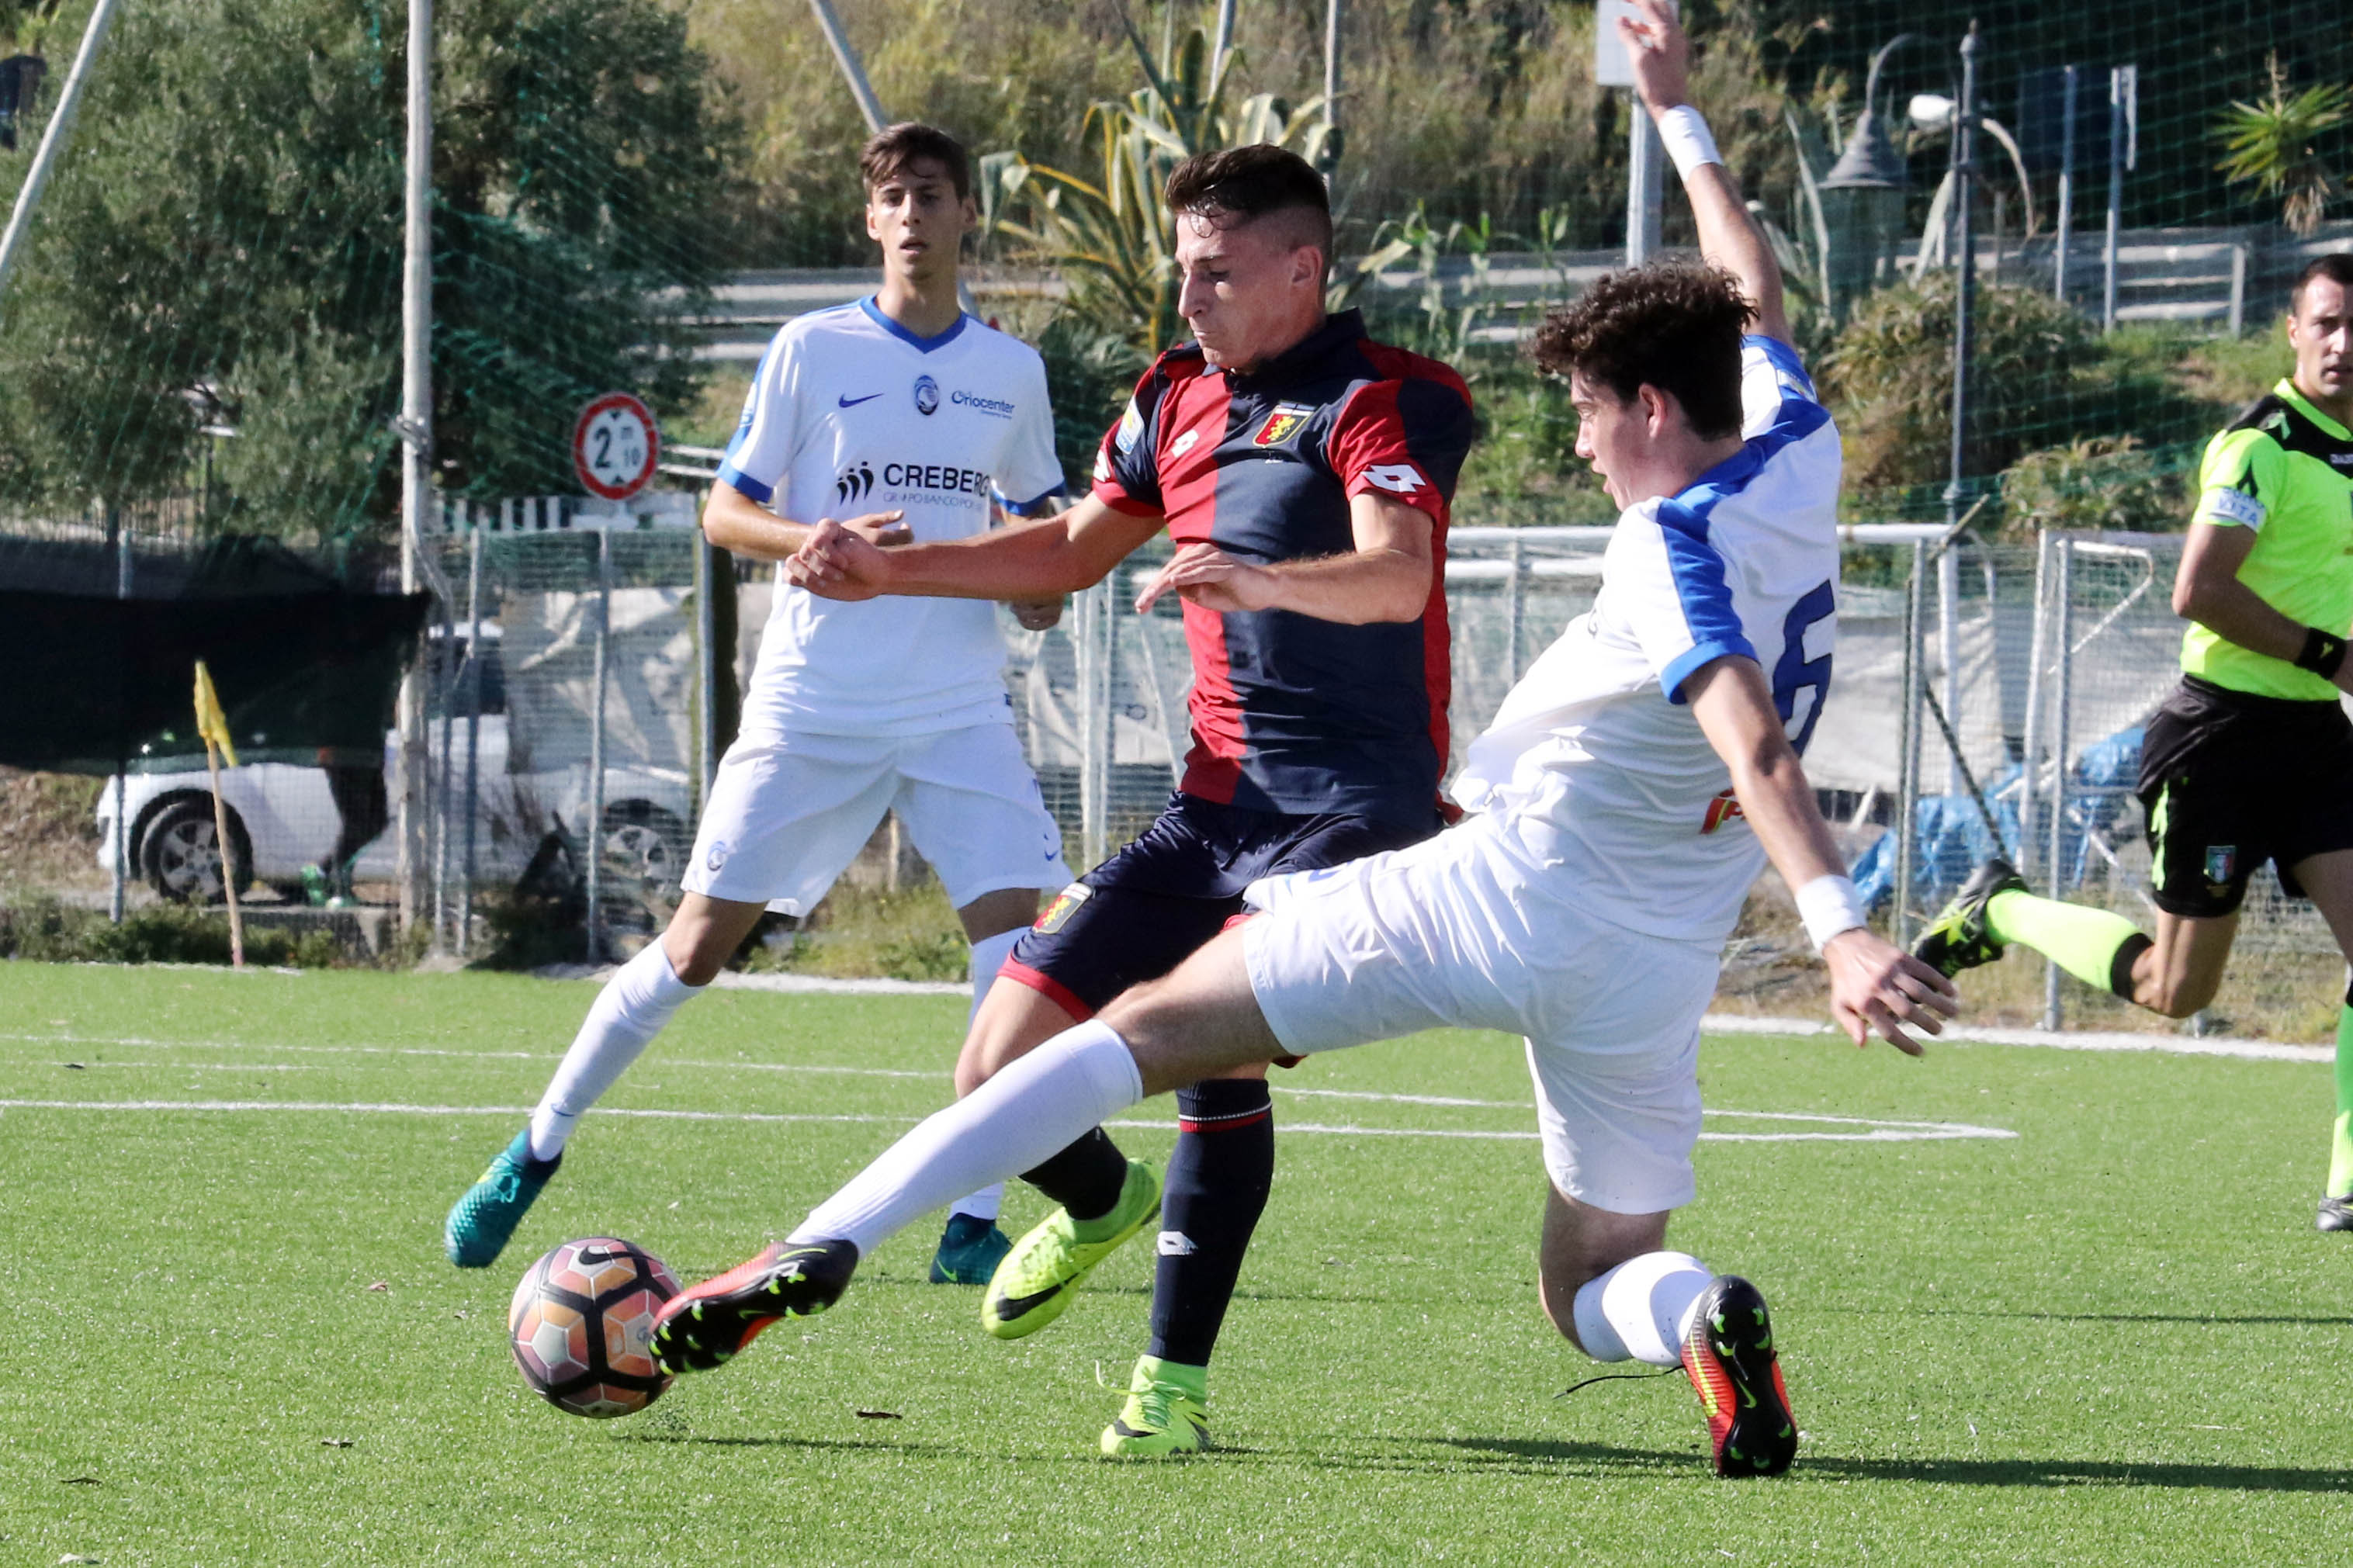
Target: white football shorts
<point x="1462" y="932"/>
<point x="788" y="816"/>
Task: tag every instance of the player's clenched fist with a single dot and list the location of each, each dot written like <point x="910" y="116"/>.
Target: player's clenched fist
<point x="844" y="560"/>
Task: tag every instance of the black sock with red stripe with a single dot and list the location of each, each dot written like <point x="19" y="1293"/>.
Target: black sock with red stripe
<point x="1216" y="1187"/>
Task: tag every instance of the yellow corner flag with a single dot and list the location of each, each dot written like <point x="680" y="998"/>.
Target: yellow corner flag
<point x="212" y="724"/>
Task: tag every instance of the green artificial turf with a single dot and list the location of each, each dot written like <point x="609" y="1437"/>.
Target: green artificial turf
<point x="2112" y="1338"/>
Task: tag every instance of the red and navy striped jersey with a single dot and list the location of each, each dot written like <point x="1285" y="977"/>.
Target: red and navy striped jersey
<point x="1289" y="713"/>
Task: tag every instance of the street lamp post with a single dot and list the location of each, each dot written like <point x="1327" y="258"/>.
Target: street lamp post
<point x="1866" y="187"/>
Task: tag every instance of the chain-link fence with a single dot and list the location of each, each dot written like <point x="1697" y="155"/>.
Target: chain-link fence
<point x="2032" y="670"/>
<point x="568" y="671"/>
<point x="1988" y="699"/>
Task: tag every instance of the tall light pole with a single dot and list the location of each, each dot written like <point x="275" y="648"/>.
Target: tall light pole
<point x="2069" y="82"/>
<point x="416" y="428"/>
<point x="54" y="137"/>
<point x="1328" y="165"/>
<point x="869" y="107"/>
<point x="1964" y="119"/>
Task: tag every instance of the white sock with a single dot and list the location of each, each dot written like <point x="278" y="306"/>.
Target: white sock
<point x="988" y="956"/>
<point x="1640" y="1309"/>
<point x="1012" y="1122"/>
<point x="628" y="1012"/>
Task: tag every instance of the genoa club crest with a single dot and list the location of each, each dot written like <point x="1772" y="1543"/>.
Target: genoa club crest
<point x="1285" y="423"/>
<point x="1066" y="904"/>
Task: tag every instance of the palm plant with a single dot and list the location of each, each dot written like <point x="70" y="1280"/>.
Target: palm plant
<point x="2270" y="145"/>
<point x="1107" y="233"/>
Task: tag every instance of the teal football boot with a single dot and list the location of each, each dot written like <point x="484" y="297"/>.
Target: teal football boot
<point x="481" y="1222"/>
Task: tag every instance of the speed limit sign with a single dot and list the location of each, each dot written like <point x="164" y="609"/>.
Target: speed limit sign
<point x="615" y="445"/>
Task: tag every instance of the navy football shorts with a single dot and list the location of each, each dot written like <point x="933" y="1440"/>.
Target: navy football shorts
<point x="1137" y="916"/>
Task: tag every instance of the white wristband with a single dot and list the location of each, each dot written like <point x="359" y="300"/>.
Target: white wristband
<point x="1686" y="138"/>
<point x="1830" y="905"/>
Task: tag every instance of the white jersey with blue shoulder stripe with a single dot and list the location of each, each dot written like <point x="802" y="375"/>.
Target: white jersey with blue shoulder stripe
<point x="1594" y="763"/>
<point x="852" y="413"/>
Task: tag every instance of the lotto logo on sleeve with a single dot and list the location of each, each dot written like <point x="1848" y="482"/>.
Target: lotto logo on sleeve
<point x="1403" y="478"/>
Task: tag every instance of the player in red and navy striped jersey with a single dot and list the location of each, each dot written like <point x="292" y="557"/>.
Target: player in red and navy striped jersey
<point x="1304" y="473"/>
<point x="1292" y="713"/>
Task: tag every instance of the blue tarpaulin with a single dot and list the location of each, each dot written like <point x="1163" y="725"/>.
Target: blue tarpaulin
<point x="1949" y="837"/>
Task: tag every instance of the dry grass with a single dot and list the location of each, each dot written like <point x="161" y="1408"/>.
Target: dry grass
<point x="47" y="836"/>
<point x="2272" y="991"/>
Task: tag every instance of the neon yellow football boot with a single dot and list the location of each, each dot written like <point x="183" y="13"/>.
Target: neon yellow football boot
<point x="1166" y="1412"/>
<point x="1041" y="1276"/>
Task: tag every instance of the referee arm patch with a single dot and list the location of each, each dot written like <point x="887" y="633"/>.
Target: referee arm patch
<point x="2226" y="504"/>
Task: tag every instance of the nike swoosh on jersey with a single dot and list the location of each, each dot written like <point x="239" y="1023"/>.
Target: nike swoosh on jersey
<point x="854" y="401"/>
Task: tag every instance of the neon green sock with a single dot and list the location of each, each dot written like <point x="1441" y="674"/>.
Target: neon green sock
<point x="2340" y="1146"/>
<point x="2097" y="946"/>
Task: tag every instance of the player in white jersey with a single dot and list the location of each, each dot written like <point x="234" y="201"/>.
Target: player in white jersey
<point x="908" y="416"/>
<point x="1636" y="781"/>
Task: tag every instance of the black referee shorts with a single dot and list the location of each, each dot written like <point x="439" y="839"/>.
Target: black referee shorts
<point x="2231" y="780"/>
<point x="1142" y="913"/>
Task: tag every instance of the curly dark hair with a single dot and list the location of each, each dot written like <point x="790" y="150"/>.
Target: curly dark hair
<point x="1674" y="325"/>
<point x="1242" y="185"/>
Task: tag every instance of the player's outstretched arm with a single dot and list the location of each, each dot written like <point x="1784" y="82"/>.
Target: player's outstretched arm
<point x="1728" y="238"/>
<point x="1874" y="985"/>
<point x="1052" y="555"/>
<point x="735" y="521"/>
<point x="1385" y="578"/>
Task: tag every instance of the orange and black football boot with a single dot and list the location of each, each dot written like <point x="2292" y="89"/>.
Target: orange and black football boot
<point x="706" y="1324"/>
<point x="1728" y="1356"/>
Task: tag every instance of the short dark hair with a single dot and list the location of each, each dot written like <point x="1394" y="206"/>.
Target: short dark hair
<point x="1674" y="325"/>
<point x="2337" y="267"/>
<point x="1242" y="185"/>
<point x="890" y="150"/>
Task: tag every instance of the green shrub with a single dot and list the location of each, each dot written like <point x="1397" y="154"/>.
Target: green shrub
<point x="2042" y="377"/>
<point x="861" y="933"/>
<point x="1889" y="379"/>
<point x="1092" y="372"/>
<point x="2101" y="482"/>
<point x="42" y="930"/>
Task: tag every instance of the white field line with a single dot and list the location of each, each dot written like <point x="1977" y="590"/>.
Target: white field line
<point x="138" y="1044"/>
<point x="1874" y="1131"/>
<point x="791" y="985"/>
<point x="2046" y="1039"/>
<point x="1714" y="1023"/>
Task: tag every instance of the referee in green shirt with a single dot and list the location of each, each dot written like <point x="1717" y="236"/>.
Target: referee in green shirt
<point x="2251" y="759"/>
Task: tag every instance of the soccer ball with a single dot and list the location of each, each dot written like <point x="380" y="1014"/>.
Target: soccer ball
<point x="581" y="1320"/>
